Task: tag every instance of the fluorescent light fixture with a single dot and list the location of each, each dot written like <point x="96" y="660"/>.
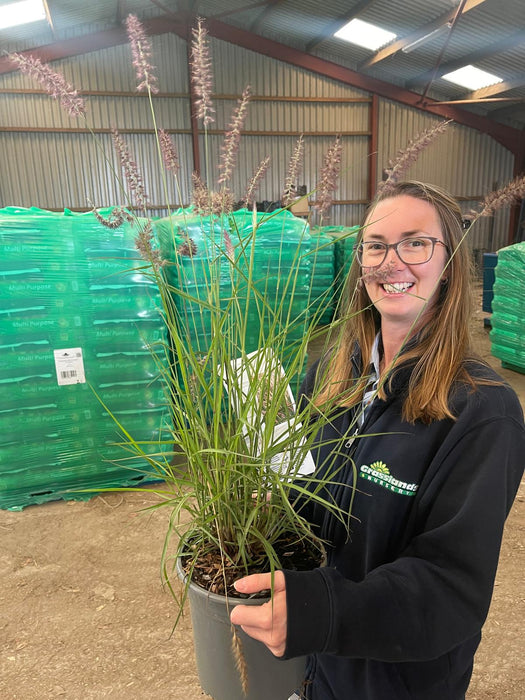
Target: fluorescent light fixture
<point x="365" y="34"/>
<point x="426" y="38"/>
<point x="472" y="78"/>
<point x="21" y="13"/>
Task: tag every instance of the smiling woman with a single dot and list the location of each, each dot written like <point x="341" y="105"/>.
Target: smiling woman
<point x="398" y="299"/>
<point x="403" y="232"/>
<point x="435" y="439"/>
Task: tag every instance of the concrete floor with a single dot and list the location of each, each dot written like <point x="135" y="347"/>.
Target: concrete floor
<point x="84" y="614"/>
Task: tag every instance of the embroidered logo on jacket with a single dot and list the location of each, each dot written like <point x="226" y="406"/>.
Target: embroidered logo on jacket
<point x="379" y="473"/>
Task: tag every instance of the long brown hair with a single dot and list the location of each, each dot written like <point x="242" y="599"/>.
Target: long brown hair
<point x="443" y="343"/>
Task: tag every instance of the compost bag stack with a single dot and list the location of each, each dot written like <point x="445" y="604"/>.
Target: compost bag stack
<point x="332" y="260"/>
<point x="508" y="308"/>
<point x="345" y="238"/>
<point x="323" y="276"/>
<point x="276" y="260"/>
<point x="76" y="317"/>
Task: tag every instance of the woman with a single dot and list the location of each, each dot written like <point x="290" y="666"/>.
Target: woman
<point x="398" y="610"/>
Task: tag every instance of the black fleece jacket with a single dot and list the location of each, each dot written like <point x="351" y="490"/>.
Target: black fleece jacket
<point x="397" y="612"/>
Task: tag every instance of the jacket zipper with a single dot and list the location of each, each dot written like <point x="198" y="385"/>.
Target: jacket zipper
<point x="343" y="485"/>
<point x="348" y="445"/>
<point x="351" y="439"/>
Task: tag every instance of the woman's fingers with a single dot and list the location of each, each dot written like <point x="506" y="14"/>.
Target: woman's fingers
<point x="266" y="622"/>
<point x="260" y="582"/>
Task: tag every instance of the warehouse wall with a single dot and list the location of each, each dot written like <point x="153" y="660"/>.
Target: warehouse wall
<point x="464" y="161"/>
<point x="47" y="162"/>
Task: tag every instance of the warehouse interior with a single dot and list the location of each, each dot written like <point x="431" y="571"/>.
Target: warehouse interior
<point x="85" y="612"/>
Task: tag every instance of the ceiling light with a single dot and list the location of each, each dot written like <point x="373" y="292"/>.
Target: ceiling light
<point x="365" y="34"/>
<point x="21" y="13"/>
<point x="472" y="78"/>
<point x="426" y="38"/>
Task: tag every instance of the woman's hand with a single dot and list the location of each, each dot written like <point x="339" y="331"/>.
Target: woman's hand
<point x="267" y="622"/>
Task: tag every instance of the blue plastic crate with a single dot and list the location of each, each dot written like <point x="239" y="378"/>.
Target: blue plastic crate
<point x="490" y="260"/>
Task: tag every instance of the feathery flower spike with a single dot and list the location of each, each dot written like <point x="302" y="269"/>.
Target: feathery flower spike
<point x="201" y="74"/>
<point x="188" y="249"/>
<point x="232" y="137"/>
<point x="169" y="152"/>
<point x="505" y="196"/>
<point x="329" y="175"/>
<point x="222" y="201"/>
<point x="240" y="660"/>
<point x="295" y="167"/>
<point x="117" y="217"/>
<point x="144" y="247"/>
<point x="409" y="155"/>
<point x="201" y="195"/>
<point x="141" y="52"/>
<point x="228" y="245"/>
<point x="54" y="83"/>
<point x="255" y="180"/>
<point x="131" y="171"/>
<point x="380" y="274"/>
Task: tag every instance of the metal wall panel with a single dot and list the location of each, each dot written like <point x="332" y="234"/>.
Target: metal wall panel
<point x="54" y="171"/>
<point x="463" y="161"/>
<point x="62" y="169"/>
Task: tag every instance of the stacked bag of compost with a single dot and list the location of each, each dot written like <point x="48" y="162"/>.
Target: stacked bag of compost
<point x="508" y="308"/>
<point x="81" y="342"/>
<point x="344" y="238"/>
<point x="276" y="262"/>
<point x="323" y="276"/>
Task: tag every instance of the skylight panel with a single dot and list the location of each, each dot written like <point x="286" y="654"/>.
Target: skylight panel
<point x="365" y="34"/>
<point x="23" y="12"/>
<point x="472" y="78"/>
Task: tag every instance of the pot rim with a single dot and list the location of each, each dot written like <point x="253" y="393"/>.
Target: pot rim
<point x="215" y="597"/>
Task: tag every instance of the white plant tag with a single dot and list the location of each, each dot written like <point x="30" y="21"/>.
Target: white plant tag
<point x="69" y="366"/>
<point x="281" y="461"/>
<point x="255" y="362"/>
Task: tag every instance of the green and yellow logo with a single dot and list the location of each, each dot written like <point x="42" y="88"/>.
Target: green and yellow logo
<point x="380" y="467"/>
<point x="380" y="474"/>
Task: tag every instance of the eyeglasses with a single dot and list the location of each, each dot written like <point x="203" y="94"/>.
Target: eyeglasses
<point x="411" y="251"/>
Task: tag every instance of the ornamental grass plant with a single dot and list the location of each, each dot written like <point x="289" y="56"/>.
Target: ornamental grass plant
<point x="233" y="463"/>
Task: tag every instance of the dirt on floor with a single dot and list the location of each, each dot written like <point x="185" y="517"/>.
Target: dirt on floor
<point x="84" y="613"/>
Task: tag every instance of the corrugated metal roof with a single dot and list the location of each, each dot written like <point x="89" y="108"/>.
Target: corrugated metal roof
<point x="301" y="24"/>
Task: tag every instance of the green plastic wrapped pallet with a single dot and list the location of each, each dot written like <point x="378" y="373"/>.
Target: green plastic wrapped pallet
<point x="275" y="260"/>
<point x="323" y="290"/>
<point x="508" y="307"/>
<point x="345" y="238"/>
<point x="81" y="338"/>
